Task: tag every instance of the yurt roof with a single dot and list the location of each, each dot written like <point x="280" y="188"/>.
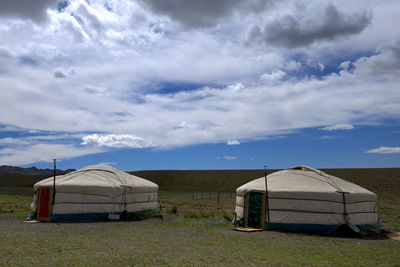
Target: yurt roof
<point x="306" y="182"/>
<point x="98" y="176"/>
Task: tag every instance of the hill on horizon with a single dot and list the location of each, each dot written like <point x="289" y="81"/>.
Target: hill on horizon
<point x="14" y="170"/>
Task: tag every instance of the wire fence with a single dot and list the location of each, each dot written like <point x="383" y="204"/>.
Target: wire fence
<point x="212" y="195"/>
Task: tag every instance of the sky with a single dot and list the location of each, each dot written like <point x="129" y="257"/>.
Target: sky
<point x="206" y="84"/>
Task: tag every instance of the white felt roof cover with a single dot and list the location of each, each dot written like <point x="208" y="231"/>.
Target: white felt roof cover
<point x="102" y="179"/>
<point x="303" y="182"/>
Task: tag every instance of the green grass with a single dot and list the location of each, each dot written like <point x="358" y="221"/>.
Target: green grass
<point x="16" y="205"/>
<point x="20" y="180"/>
<point x="198" y="233"/>
<point x="200" y="180"/>
<point x="180" y="241"/>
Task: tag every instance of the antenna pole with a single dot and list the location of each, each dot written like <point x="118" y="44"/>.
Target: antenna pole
<point x="266" y="193"/>
<point x="54" y="181"/>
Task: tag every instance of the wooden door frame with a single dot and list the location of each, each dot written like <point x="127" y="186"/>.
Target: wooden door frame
<point x="50" y="205"/>
<point x="246" y="209"/>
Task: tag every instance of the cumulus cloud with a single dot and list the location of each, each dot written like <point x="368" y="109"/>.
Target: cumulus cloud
<point x="25" y="9"/>
<point x="384" y="150"/>
<point x="386" y="61"/>
<point x="295" y="31"/>
<point x="293" y="65"/>
<point x="233" y="142"/>
<point x="345" y="65"/>
<point x="338" y="127"/>
<point x="228" y="157"/>
<point x="121" y="52"/>
<point x="114" y="140"/>
<point x="273" y="77"/>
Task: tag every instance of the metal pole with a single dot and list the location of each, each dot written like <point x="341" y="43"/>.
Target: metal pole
<point x="266" y="193"/>
<point x="54" y="182"/>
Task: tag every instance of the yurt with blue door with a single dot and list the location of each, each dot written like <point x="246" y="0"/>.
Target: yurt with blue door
<point x="97" y="192"/>
<point x="303" y="199"/>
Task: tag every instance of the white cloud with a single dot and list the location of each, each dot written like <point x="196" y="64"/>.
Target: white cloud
<point x="384" y="150"/>
<point x="321" y="66"/>
<point x="9" y="141"/>
<point x="328" y="137"/>
<point x="344" y="65"/>
<point x="21" y="155"/>
<point x="113" y="61"/>
<point x="97" y="90"/>
<point x="42" y="148"/>
<point x="293" y="65"/>
<point x="227" y="157"/>
<point x="107" y="163"/>
<point x="114" y="140"/>
<point x="272" y="77"/>
<point x="338" y="127"/>
<point x="187" y="125"/>
<point x="233" y="142"/>
<point x="37" y="139"/>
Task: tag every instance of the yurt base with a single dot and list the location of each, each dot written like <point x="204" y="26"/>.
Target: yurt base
<point x="247" y="229"/>
<point x="393" y="236"/>
<point x="93" y="217"/>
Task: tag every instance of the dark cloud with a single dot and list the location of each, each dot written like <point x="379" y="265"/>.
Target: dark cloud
<point x="203" y="13"/>
<point x="386" y="62"/>
<point x="27" y="60"/>
<point x="59" y="74"/>
<point x="26" y="9"/>
<point x="291" y="32"/>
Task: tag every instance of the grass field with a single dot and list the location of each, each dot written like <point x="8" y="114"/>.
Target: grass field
<point x="195" y="231"/>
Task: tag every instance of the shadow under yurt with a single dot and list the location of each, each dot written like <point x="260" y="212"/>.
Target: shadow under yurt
<point x="94" y="193"/>
<point x="303" y="199"/>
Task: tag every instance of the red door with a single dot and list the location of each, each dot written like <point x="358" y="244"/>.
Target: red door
<point x="44" y="203"/>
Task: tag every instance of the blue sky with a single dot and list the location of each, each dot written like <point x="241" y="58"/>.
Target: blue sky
<point x="200" y="85"/>
<point x="312" y="147"/>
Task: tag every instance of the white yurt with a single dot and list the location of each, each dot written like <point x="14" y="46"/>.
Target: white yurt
<point x="303" y="199"/>
<point x="97" y="192"/>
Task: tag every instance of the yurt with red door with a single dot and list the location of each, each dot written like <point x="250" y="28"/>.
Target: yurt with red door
<point x="97" y="192"/>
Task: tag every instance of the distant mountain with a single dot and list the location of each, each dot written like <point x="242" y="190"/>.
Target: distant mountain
<point x="12" y="170"/>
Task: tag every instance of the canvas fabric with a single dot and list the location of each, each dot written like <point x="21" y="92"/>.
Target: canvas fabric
<point x="99" y="189"/>
<point x="303" y="195"/>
